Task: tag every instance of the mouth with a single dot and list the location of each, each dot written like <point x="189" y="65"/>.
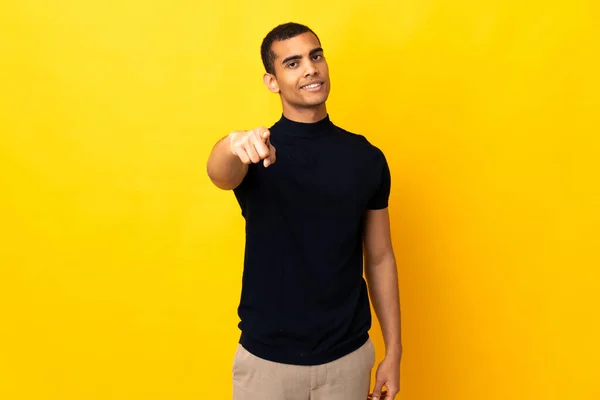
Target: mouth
<point x="312" y="87"/>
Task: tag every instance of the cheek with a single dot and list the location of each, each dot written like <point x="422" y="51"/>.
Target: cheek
<point x="289" y="84"/>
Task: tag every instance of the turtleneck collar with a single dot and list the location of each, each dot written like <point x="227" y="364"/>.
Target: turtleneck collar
<point x="306" y="129"/>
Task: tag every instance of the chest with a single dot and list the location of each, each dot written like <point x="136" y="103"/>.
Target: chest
<point x="338" y="178"/>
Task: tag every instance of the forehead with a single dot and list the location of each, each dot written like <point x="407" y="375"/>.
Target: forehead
<point x="298" y="45"/>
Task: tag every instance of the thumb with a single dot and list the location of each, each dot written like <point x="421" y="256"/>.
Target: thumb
<point x="377" y="390"/>
<point x="265" y="135"/>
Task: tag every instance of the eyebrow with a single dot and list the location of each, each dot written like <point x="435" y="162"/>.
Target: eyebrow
<point x="297" y="56"/>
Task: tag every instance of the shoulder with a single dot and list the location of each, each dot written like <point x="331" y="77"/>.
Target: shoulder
<point x="360" y="143"/>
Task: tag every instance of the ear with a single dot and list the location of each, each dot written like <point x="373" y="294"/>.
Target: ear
<point x="271" y="82"/>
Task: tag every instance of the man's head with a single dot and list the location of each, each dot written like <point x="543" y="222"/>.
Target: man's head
<point x="295" y="66"/>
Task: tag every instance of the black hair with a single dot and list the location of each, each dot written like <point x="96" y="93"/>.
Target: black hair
<point x="280" y="32"/>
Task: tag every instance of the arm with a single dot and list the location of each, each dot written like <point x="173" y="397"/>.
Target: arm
<point x="225" y="169"/>
<point x="381" y="273"/>
<point x="229" y="159"/>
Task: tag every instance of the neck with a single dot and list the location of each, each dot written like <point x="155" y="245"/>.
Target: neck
<point x="288" y="128"/>
<point x="307" y="115"/>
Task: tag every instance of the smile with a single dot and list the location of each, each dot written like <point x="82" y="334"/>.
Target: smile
<point x="312" y="86"/>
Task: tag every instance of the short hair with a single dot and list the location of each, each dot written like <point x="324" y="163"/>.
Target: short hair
<point x="279" y="33"/>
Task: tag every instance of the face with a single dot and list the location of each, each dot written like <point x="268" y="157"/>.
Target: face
<point x="301" y="72"/>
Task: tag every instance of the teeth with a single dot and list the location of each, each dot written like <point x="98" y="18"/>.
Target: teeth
<point x="312" y="86"/>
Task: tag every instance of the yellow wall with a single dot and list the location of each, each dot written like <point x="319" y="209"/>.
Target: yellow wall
<point x="120" y="263"/>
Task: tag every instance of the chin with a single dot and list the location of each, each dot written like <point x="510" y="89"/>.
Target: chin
<point x="308" y="101"/>
<point x="316" y="102"/>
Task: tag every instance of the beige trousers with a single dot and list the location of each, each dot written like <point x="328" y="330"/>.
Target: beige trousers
<point x="347" y="378"/>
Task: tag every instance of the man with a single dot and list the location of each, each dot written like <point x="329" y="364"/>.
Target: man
<point x="314" y="198"/>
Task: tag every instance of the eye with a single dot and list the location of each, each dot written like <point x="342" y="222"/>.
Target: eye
<point x="317" y="56"/>
<point x="293" y="64"/>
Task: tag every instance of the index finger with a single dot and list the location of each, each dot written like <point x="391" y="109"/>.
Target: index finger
<point x="383" y="394"/>
<point x="262" y="132"/>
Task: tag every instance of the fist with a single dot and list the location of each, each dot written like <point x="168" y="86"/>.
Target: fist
<point x="253" y="146"/>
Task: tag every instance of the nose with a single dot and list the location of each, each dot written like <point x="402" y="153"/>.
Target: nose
<point x="311" y="69"/>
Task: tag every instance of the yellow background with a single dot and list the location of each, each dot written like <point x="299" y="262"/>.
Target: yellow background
<point x="120" y="263"/>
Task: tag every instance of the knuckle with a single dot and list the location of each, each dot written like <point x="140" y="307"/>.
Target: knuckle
<point x="238" y="136"/>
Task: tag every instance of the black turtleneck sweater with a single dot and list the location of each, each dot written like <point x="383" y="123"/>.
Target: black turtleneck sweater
<point x="304" y="300"/>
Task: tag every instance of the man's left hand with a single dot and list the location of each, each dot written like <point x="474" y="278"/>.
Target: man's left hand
<point x="388" y="374"/>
